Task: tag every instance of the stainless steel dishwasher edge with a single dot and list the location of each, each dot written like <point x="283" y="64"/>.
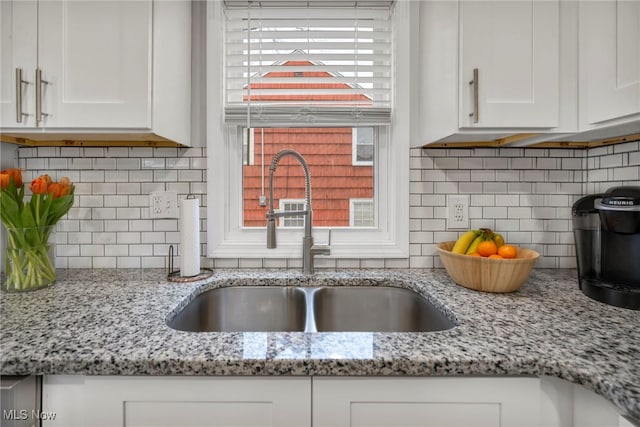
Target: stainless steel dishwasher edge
<point x="21" y="401"/>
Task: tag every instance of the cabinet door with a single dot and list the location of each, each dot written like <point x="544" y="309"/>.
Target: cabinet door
<point x="96" y="57"/>
<point x="436" y="402"/>
<point x="515" y="47"/>
<point x="609" y="60"/>
<point x="80" y="401"/>
<point x="591" y="410"/>
<point x="19" y="49"/>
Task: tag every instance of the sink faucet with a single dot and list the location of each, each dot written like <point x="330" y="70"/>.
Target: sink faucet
<point x="309" y="250"/>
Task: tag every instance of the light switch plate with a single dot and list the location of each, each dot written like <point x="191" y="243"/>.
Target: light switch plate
<point x="163" y="204"/>
<point x="457" y="211"/>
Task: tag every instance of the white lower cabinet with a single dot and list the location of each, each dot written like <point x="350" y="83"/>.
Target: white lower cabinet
<point x="90" y="401"/>
<point x="591" y="410"/>
<point x="426" y="402"/>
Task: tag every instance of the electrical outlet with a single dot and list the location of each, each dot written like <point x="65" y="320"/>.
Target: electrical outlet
<point x="163" y="204"/>
<point x="457" y="211"/>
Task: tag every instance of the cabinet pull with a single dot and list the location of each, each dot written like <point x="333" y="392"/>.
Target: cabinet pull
<point x="476" y="84"/>
<point x="19" y="83"/>
<point x="39" y="83"/>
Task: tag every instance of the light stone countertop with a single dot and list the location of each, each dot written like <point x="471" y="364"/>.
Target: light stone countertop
<point x="113" y="322"/>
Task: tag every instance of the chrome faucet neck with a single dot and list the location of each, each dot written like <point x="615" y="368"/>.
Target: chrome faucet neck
<point x="308" y="249"/>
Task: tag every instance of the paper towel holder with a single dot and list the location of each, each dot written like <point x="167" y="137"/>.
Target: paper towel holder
<point x="174" y="275"/>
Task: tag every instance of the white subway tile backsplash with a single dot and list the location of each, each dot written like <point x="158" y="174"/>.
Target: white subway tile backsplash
<point x="470" y="187"/>
<point x="116" y="250"/>
<point x="116" y="226"/>
<point x="128" y="213"/>
<point x="497" y="163"/>
<point x="178" y="163"/>
<point x="626" y="174"/>
<point x="104" y="262"/>
<point x="104" y="238"/>
<point x="548" y="163"/>
<point x="128" y="262"/>
<point x="611" y="161"/>
<point x="153" y="163"/>
<point x="103" y="213"/>
<point x="116" y="176"/>
<point x="117" y="152"/>
<point x="91" y="250"/>
<point x="128" y="238"/>
<point x="104" y="163"/>
<point x="526" y="194"/>
<point x="494" y="187"/>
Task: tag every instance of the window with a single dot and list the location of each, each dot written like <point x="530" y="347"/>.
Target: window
<point x="289" y="72"/>
<point x="292" y="205"/>
<point x="361" y="213"/>
<point x="335" y="180"/>
<point x="363" y="146"/>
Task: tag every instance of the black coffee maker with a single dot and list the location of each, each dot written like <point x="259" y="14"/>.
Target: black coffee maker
<point x="606" y="228"/>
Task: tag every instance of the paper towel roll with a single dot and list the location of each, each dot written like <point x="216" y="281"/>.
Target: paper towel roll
<point x="189" y="237"/>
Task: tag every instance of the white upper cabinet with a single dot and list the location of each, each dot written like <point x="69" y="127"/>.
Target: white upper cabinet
<point x="19" y="62"/>
<point x="97" y="67"/>
<point x="513" y="46"/>
<point x="609" y="62"/>
<point x="95" y="57"/>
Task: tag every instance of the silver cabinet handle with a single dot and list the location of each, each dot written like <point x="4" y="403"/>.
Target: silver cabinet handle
<point x="476" y="84"/>
<point x="39" y="83"/>
<point x="19" y="83"/>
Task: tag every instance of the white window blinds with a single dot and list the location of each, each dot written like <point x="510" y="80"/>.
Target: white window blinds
<point x="308" y="66"/>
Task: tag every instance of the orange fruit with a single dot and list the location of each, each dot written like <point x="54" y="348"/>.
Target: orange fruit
<point x="508" y="251"/>
<point x="474" y="254"/>
<point x="488" y="247"/>
<point x="495" y="256"/>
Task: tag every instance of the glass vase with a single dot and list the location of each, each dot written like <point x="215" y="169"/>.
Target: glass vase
<point x="30" y="258"/>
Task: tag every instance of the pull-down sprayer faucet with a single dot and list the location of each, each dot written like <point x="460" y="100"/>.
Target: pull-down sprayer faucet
<point x="309" y="250"/>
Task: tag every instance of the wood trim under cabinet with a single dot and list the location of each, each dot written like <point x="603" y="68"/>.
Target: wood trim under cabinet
<point x="503" y="142"/>
<point x="88" y="140"/>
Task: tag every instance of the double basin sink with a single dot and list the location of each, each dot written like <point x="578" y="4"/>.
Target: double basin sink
<point x="307" y="309"/>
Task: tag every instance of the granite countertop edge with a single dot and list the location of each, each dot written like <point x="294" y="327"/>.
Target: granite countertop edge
<point x="113" y="322"/>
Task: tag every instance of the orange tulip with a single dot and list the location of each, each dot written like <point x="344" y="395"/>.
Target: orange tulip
<point x="65" y="181"/>
<point x="14" y="173"/>
<point x="39" y="185"/>
<point x="55" y="190"/>
<point x="47" y="178"/>
<point x="4" y="180"/>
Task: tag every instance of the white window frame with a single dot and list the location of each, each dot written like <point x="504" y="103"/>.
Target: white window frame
<point x="251" y="160"/>
<point x="283" y="203"/>
<point x="354" y="148"/>
<point x="352" y="213"/>
<point x="227" y="238"/>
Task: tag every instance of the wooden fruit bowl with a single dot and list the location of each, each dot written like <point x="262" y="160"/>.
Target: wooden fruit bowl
<point x="487" y="274"/>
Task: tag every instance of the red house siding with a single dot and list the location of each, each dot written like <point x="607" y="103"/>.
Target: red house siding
<point x="328" y="152"/>
<point x="334" y="180"/>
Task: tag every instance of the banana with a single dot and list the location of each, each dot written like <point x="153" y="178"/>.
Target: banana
<point x="498" y="239"/>
<point x="473" y="247"/>
<point x="463" y="242"/>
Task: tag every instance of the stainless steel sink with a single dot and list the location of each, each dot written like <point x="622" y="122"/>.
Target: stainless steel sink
<point x="244" y="309"/>
<point x="287" y="309"/>
<point x="380" y="309"/>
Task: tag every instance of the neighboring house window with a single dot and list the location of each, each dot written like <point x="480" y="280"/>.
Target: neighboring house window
<point x="292" y="205"/>
<point x="320" y="81"/>
<point x="361" y="213"/>
<point x="363" y="146"/>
